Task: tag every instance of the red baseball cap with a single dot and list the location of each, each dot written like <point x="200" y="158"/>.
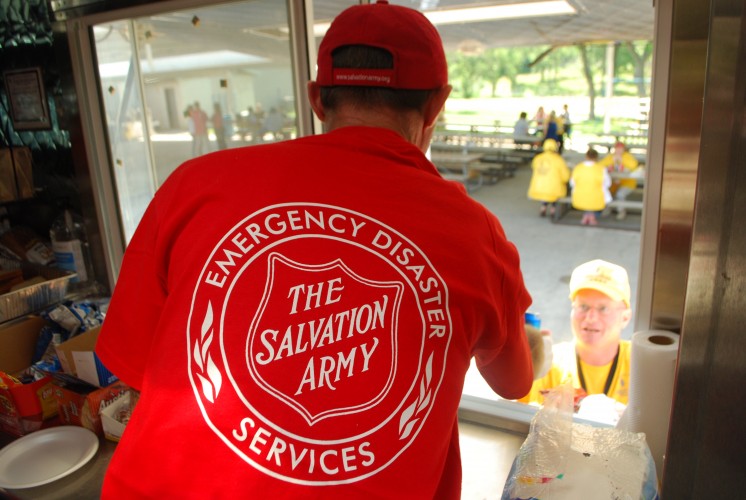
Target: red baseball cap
<point x="419" y="59"/>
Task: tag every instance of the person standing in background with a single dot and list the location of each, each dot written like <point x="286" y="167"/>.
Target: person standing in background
<point x="190" y="128"/>
<point x="567" y="122"/>
<point x="218" y="125"/>
<point x="291" y="335"/>
<point x="554" y="129"/>
<point x="201" y="141"/>
<point x="540" y="119"/>
<point x="549" y="178"/>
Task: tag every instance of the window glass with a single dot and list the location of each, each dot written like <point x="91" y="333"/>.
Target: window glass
<point x="180" y="84"/>
<point x="505" y="60"/>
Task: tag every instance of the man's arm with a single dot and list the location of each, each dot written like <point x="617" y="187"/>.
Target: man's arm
<point x="502" y="354"/>
<point x="629" y="162"/>
<point x="510" y="372"/>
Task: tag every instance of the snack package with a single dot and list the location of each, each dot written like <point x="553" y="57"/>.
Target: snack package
<point x="25" y="402"/>
<point x="21" y="243"/>
<point x="562" y="459"/>
<point x="80" y="403"/>
<point x="75" y="317"/>
<point x="48" y="336"/>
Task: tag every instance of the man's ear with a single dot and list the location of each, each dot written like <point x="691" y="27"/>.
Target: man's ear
<point x="314" y="97"/>
<point x="626" y="317"/>
<point x="435" y="105"/>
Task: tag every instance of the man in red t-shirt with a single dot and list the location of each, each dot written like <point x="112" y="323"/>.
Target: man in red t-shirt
<point x="299" y="316"/>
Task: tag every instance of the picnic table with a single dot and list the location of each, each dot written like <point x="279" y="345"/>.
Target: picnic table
<point x="460" y="167"/>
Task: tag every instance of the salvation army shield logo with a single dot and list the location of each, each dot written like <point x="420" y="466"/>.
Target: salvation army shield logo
<point x="313" y="362"/>
<point x="317" y="342"/>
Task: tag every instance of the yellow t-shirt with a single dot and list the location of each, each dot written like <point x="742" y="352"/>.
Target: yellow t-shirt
<point x="549" y="178"/>
<point x="564" y="367"/>
<point x="628" y="164"/>
<point x="588" y="187"/>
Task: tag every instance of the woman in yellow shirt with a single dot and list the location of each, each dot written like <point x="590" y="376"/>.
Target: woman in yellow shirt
<point x="590" y="183"/>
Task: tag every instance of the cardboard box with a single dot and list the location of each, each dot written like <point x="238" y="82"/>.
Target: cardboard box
<point x="80" y="403"/>
<point x="17" y="343"/>
<point x="113" y="426"/>
<point x="23" y="408"/>
<point x="77" y="358"/>
<point x="16" y="174"/>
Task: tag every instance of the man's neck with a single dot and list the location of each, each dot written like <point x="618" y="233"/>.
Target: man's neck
<point x="597" y="356"/>
<point x="406" y="124"/>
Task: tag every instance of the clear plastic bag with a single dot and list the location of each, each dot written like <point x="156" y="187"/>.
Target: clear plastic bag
<point x="561" y="459"/>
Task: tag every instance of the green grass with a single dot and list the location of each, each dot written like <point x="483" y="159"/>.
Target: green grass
<point x="596" y="127"/>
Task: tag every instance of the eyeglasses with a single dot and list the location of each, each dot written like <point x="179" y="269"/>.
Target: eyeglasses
<point x="584" y="309"/>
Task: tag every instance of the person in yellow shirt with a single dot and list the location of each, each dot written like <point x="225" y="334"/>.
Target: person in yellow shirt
<point x="621" y="161"/>
<point x="597" y="361"/>
<point x="549" y="178"/>
<point x="590" y="183"/>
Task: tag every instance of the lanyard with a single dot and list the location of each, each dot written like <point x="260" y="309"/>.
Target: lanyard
<point x="609" y="377"/>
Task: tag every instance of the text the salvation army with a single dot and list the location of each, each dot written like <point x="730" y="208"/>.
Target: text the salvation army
<point x="352" y="357"/>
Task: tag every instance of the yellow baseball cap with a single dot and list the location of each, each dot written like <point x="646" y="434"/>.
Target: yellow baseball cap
<point x="603" y="276"/>
<point x="550" y="145"/>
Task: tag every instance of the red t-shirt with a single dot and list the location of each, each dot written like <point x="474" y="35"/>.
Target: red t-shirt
<point x="299" y="318"/>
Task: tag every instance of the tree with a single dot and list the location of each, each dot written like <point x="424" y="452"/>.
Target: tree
<point x="493" y="69"/>
<point x="588" y="73"/>
<point x="506" y="63"/>
<point x="465" y="73"/>
<point x="539" y="62"/>
<point x="640" y="61"/>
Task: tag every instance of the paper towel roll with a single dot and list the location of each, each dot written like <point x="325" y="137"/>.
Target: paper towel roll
<point x="652" y="373"/>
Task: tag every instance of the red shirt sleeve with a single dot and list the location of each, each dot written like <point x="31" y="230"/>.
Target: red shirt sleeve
<point x="503" y="357"/>
<point x="125" y="341"/>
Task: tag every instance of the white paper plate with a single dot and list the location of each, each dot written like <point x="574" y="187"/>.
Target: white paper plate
<point x="45" y="456"/>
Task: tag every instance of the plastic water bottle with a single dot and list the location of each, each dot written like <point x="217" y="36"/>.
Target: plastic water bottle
<point x="70" y="247"/>
<point x="533" y="319"/>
